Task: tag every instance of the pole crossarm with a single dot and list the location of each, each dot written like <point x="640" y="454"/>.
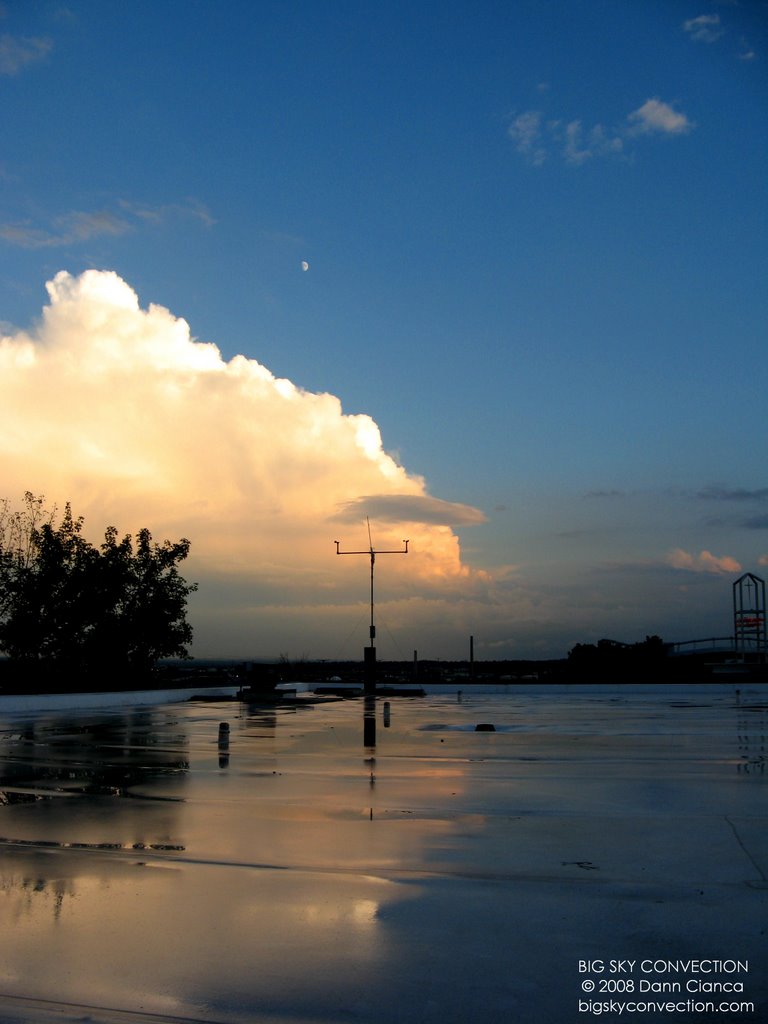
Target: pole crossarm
<point x="372" y="551"/>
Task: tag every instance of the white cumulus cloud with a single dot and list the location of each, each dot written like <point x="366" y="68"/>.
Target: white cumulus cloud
<point x="655" y="116"/>
<point x="537" y="138"/>
<point x="119" y="410"/>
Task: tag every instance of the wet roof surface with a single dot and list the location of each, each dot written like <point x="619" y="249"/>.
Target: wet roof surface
<point x="380" y="861"/>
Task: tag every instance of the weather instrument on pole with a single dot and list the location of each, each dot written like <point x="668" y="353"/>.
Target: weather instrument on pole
<point x="372" y="552"/>
<point x="370" y="652"/>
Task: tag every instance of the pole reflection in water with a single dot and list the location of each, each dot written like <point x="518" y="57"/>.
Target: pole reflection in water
<point x="224" y="745"/>
<point x="369" y="720"/>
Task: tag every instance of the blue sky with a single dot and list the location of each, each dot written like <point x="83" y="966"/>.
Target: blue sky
<point x="536" y="237"/>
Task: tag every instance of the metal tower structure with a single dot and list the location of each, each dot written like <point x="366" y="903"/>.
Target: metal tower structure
<point x="749" y="622"/>
<point x="370" y="652"/>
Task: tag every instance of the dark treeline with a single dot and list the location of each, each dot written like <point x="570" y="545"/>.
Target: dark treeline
<point x="76" y="615"/>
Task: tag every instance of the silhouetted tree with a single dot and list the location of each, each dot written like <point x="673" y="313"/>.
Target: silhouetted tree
<point x="66" y="604"/>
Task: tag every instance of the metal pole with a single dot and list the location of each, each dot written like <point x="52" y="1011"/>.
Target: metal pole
<point x="373" y="628"/>
<point x="370" y="652"/>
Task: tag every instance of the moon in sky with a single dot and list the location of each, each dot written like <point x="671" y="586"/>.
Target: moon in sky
<point x="304" y="265"/>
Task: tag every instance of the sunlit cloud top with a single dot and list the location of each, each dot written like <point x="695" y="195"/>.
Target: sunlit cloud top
<point x="119" y="410"/>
